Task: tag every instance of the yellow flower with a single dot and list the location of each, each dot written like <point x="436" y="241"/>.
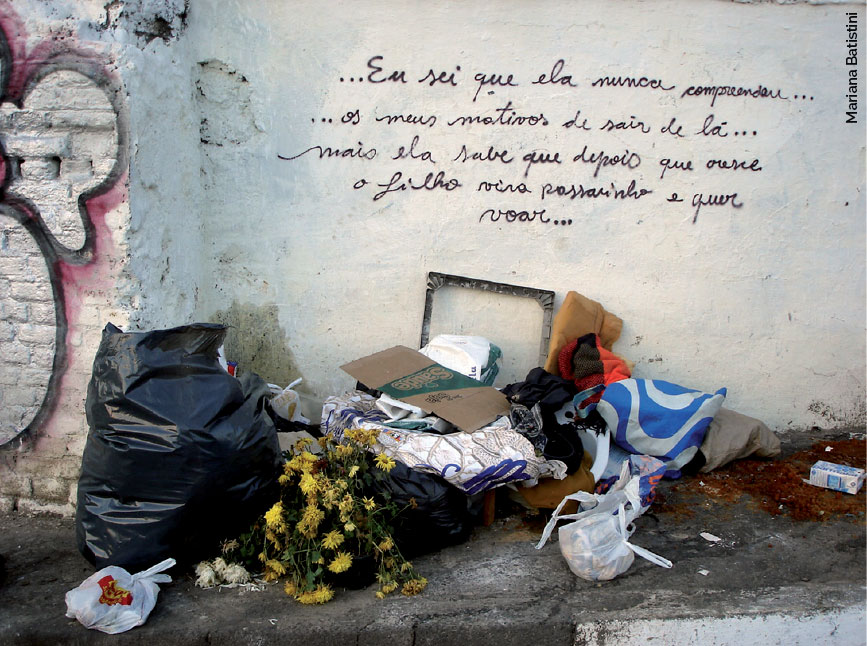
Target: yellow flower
<point x="388" y="588"/>
<point x="290" y="588"/>
<point x="405" y="566"/>
<point x="413" y="586"/>
<point x="388" y="563"/>
<point x="322" y="594"/>
<point x="346" y="504"/>
<point x="350" y="434"/>
<point x="292" y="466"/>
<point x="349" y="527"/>
<point x="307" y="456"/>
<point x="273" y="565"/>
<point x="310" y="520"/>
<point x="341" y="563"/>
<point x="369" y="503"/>
<point x="368" y="436"/>
<point x="274" y="517"/>
<point x="353" y="470"/>
<point x="308" y="483"/>
<point x="343" y="450"/>
<point x="341" y="484"/>
<point x="323" y="442"/>
<point x="384" y="462"/>
<point x="332" y="540"/>
<point x="386" y="545"/>
<point x="273" y="538"/>
<point x="380" y="594"/>
<point x="302" y="443"/>
<point x="283" y="479"/>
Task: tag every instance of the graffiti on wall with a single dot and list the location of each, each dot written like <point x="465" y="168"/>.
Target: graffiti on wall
<point x="62" y="162"/>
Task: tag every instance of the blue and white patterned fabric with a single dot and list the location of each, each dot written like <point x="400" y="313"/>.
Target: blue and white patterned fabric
<point x="472" y="462"/>
<point x="658" y="418"/>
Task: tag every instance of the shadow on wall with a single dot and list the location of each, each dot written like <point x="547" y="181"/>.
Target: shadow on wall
<point x="63" y="149"/>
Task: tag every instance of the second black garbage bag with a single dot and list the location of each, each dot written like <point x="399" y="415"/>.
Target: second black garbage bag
<point x="180" y="454"/>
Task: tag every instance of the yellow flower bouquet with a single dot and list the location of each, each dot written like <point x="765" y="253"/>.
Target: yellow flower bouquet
<point x="328" y="522"/>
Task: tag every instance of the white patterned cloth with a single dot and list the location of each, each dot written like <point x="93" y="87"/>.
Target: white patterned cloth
<point x="473" y="462"/>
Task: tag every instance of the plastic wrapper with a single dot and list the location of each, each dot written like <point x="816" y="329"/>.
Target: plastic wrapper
<point x="113" y="600"/>
<point x="180" y="454"/>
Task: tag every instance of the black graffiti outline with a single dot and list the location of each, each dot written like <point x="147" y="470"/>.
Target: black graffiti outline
<point x="60" y="57"/>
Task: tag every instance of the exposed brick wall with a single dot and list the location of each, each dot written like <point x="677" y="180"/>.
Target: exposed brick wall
<point x="63" y="222"/>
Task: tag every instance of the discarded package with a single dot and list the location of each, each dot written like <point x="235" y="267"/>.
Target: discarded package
<point x="287" y="404"/>
<point x="473" y="356"/>
<point x="113" y="600"/>
<point x="179" y="453"/>
<point x="838" y="477"/>
<point x="413" y="378"/>
<point x="596" y="545"/>
<point x="732" y="436"/>
<point x="473" y="462"/>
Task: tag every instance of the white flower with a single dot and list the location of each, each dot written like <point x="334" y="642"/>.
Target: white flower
<point x="236" y="573"/>
<point x="220" y="567"/>
<point x="206" y="577"/>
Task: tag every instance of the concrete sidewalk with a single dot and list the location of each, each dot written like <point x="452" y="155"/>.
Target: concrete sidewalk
<point x="770" y="580"/>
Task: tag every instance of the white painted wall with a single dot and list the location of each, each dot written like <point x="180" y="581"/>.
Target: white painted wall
<point x="766" y="299"/>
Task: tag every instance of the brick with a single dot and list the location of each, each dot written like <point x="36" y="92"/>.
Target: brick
<point x="14" y="353"/>
<point x="52" y="96"/>
<point x="94" y="145"/>
<point x="15" y="268"/>
<point x="25" y="397"/>
<point x="51" y="489"/>
<point x="37" y="334"/>
<point x="76" y="170"/>
<point x="42" y="357"/>
<point x="30" y="506"/>
<point x="7" y="329"/>
<point x="37" y="292"/>
<point x="13" y="419"/>
<point x="42" y="168"/>
<point x="36" y="465"/>
<point x="42" y="313"/>
<point x="30" y="376"/>
<point x="14" y="484"/>
<point x="36" y="146"/>
<point x="90" y="119"/>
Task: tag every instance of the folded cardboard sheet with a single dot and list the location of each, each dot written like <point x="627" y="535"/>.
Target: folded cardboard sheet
<point x="411" y="377"/>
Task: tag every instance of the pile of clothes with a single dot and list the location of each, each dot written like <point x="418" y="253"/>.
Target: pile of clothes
<point x="583" y="392"/>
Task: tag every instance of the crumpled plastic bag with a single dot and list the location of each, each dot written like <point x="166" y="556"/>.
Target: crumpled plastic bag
<point x="596" y="545"/>
<point x="113" y="600"/>
<point x="473" y="356"/>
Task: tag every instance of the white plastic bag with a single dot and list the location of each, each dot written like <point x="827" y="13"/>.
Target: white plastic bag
<point x="287" y="404"/>
<point x="596" y="545"/>
<point x="473" y="356"/>
<point x="113" y="600"/>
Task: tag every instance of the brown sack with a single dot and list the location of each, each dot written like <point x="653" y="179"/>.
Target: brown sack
<point x="732" y="436"/>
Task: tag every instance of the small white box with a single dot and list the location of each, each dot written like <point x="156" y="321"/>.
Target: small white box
<point x="836" y="476"/>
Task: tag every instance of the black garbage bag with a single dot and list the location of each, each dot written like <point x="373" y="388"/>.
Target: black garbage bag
<point x="440" y="516"/>
<point x="180" y="454"/>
